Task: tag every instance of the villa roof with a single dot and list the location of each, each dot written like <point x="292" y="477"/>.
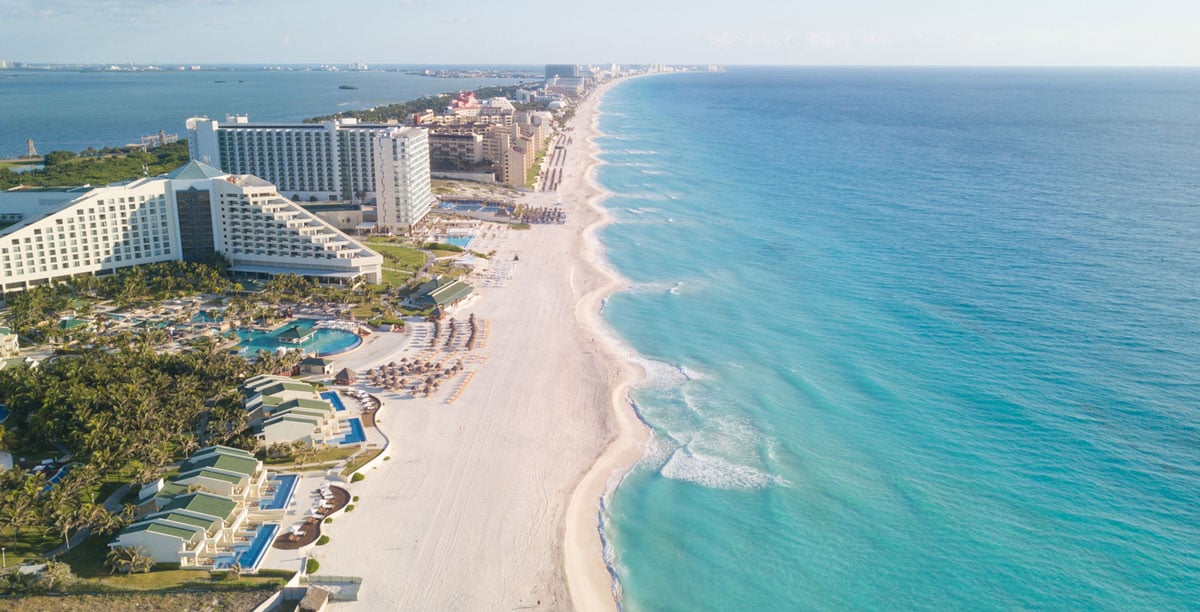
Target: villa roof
<point x="166" y="491"/>
<point x="218" y="449"/>
<point x="279" y="386"/>
<point x="241" y="465"/>
<point x="206" y="522"/>
<point x="195" y="171"/>
<point x="294" y="334"/>
<point x="204" y="503"/>
<point x="317" y="361"/>
<point x="346" y="375"/>
<point x="289" y="417"/>
<point x="214" y="474"/>
<point x="308" y="412"/>
<point x="187" y="533"/>
<point x="305" y="402"/>
<point x="442" y="290"/>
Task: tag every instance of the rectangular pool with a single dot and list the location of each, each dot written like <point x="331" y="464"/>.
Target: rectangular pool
<point x="253" y="555"/>
<point x="285" y="485"/>
<point x="459" y="241"/>
<point x="334" y="399"/>
<point x="356" y="434"/>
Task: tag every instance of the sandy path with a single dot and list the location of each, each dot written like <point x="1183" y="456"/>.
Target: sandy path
<point x="470" y="512"/>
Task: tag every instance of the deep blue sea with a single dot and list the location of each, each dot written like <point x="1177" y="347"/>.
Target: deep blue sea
<point x="75" y="110"/>
<point x="916" y="338"/>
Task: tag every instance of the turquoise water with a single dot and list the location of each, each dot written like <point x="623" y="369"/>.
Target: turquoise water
<point x="253" y="554"/>
<point x="334" y="399"/>
<point x="285" y="486"/>
<point x="916" y="338"/>
<point x="356" y="433"/>
<point x="323" y="342"/>
<point x="461" y="241"/>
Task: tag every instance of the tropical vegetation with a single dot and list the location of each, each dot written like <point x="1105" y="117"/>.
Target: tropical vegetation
<point x="64" y="168"/>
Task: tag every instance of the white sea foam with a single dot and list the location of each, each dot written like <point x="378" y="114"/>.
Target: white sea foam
<point x="660" y="375"/>
<point x="715" y="472"/>
<point x="639" y="152"/>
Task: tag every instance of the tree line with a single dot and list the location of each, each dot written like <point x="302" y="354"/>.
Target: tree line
<point x="64" y="168"/>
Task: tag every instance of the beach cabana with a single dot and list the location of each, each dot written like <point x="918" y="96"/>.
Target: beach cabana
<point x="345" y="377"/>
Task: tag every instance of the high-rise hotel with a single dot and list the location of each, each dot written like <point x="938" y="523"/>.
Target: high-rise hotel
<point x="337" y="160"/>
<point x="186" y="215"/>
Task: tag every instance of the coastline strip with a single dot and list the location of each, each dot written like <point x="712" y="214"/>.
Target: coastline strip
<point x="590" y="579"/>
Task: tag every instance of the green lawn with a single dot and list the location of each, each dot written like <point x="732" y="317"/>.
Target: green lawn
<point x="446" y="268"/>
<point x="29" y="545"/>
<point x="395" y="277"/>
<point x="87" y="562"/>
<point x="360" y="461"/>
<point x="396" y="256"/>
<point x="319" y="460"/>
<point x="535" y="169"/>
<point x="9" y="163"/>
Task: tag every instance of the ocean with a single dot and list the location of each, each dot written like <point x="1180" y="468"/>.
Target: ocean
<point x="915" y="338"/>
<point x="71" y="111"/>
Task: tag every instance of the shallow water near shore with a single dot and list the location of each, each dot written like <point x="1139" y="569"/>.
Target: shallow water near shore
<point x="914" y="338"/>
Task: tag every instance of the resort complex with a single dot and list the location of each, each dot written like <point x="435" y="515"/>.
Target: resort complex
<point x="341" y="160"/>
<point x="235" y="408"/>
<point x="186" y="215"/>
<point x="215" y="513"/>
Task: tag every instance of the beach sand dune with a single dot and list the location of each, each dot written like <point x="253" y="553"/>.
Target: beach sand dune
<point x="471" y="511"/>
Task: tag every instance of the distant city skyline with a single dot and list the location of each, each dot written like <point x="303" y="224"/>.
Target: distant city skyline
<point x="855" y="32"/>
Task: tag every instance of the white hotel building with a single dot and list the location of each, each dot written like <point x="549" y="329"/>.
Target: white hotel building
<point x="186" y="215"/>
<point x="331" y="161"/>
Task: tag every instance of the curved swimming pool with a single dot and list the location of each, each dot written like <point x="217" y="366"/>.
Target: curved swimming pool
<point x="322" y="342"/>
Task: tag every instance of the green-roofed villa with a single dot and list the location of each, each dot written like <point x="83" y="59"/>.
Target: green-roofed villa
<point x="166" y="541"/>
<point x="216" y="480"/>
<point x="282" y="409"/>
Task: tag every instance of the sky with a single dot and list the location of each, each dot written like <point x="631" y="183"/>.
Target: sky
<point x="841" y="32"/>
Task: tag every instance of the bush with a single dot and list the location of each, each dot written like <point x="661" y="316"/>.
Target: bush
<point x="323" y="540"/>
<point x="278" y="573"/>
<point x="350" y="508"/>
<point x="328" y="520"/>
<point x="357" y="477"/>
<point x="442" y="246"/>
<point x="354" y="499"/>
<point x="311" y="566"/>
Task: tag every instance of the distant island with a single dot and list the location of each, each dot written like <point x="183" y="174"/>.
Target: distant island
<point x="347" y="87"/>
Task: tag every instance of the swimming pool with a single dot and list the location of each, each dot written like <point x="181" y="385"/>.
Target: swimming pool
<point x="469" y="206"/>
<point x="205" y="316"/>
<point x="285" y="485"/>
<point x="250" y="556"/>
<point x="334" y="399"/>
<point x="322" y="342"/>
<point x="356" y="434"/>
<point x="459" y="241"/>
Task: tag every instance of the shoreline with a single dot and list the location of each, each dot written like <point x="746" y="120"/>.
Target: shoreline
<point x="494" y="501"/>
<point x="591" y="580"/>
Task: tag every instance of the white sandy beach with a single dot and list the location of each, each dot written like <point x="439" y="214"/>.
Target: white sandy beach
<point x="491" y="502"/>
